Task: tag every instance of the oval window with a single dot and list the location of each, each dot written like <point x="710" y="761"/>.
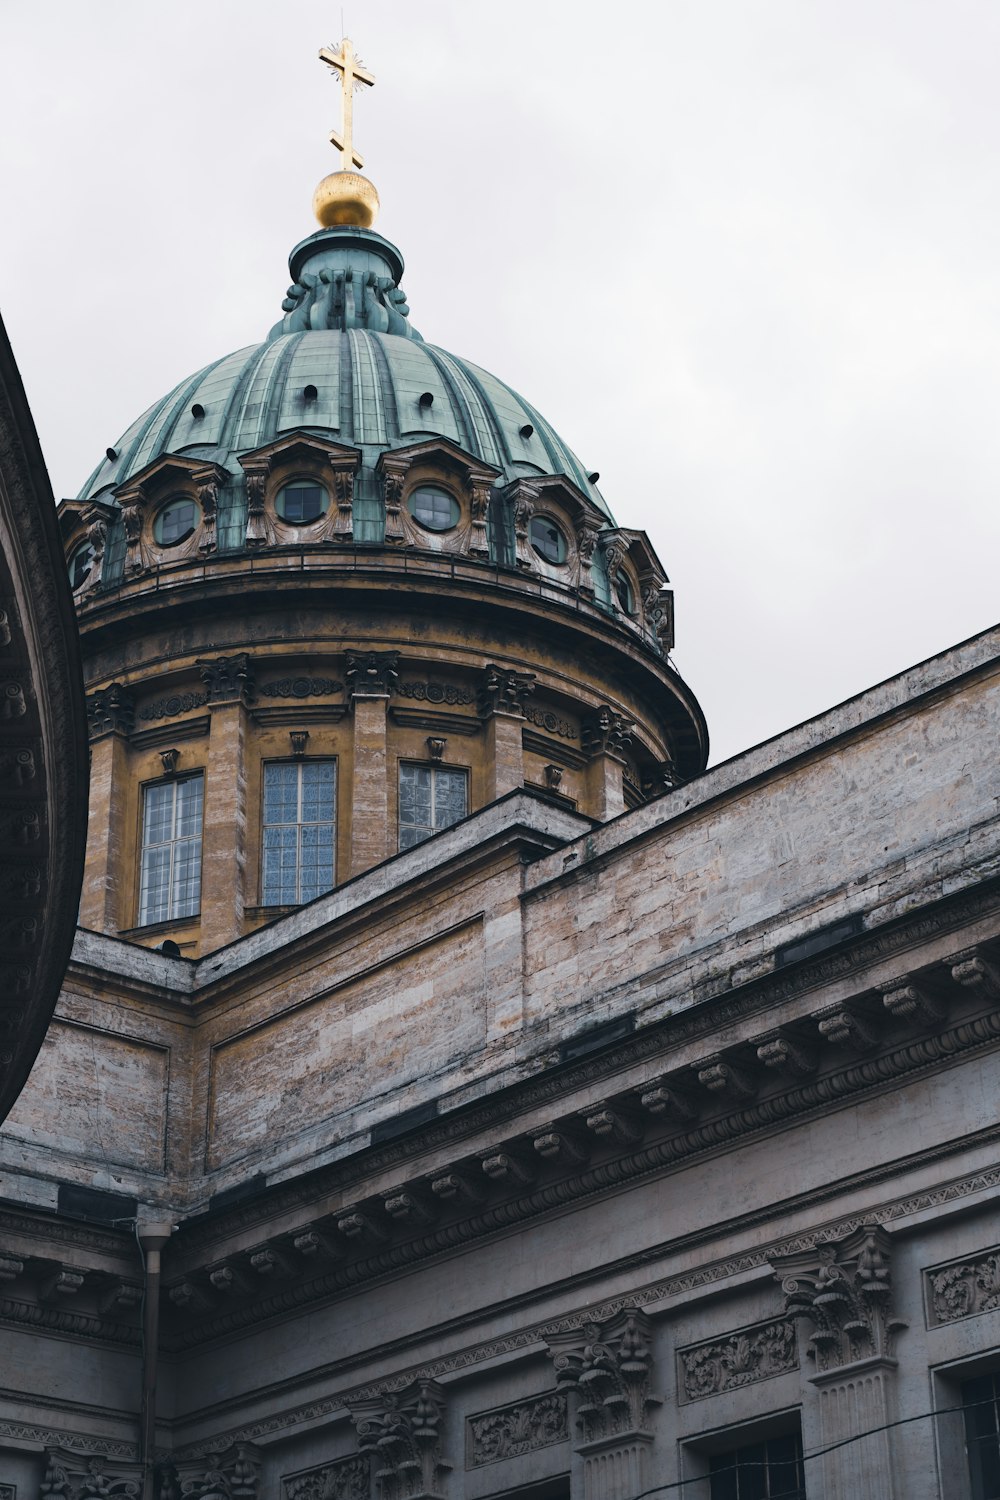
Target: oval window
<point x="547" y="540"/>
<point x="175" y="522"/>
<point x="625" y="593"/>
<point x="301" y="502"/>
<point x="434" y="509"/>
<point x="80" y="562"/>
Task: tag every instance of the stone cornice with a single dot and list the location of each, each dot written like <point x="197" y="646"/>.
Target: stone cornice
<point x="521" y="1177"/>
<point x="533" y="1335"/>
<point x="715" y="1007"/>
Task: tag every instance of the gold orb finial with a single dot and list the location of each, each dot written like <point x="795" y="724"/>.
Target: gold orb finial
<point x="345" y="197"/>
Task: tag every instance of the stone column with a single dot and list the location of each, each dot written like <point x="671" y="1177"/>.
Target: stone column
<point x="502" y="694"/>
<point x="370" y="676"/>
<point x="608" y="1368"/>
<point x="110" y="715"/>
<point x="605" y="736"/>
<point x="402" y="1432"/>
<point x="844" y="1290"/>
<point x="229" y="683"/>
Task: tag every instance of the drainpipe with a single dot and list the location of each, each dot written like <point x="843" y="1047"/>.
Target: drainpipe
<point x="152" y="1238"/>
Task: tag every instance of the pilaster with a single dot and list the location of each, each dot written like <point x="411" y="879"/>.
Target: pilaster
<point x="370" y="676"/>
<point x="110" y="715"/>
<point x="844" y="1290"/>
<point x="608" y="1368"/>
<point x="605" y="736"/>
<point x="229" y="683"/>
<point x="502" y="695"/>
<point x="402" y="1432"/>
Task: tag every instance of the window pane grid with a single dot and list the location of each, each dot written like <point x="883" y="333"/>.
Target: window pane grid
<point x="299" y="824"/>
<point x="771" y="1470"/>
<point x="170" y="872"/>
<point x="430" y="798"/>
<point x="981" y="1399"/>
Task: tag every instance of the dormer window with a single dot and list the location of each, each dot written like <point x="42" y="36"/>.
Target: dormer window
<point x="302" y="501"/>
<point x="433" y="508"/>
<point x="548" y="541"/>
<point x="81" y="561"/>
<point x="175" y="522"/>
<point x="625" y="594"/>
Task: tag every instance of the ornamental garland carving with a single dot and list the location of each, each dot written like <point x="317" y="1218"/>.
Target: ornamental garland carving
<point x="434" y="692"/>
<point x="545" y="719"/>
<point x="965" y="1288"/>
<point x="402" y="1432"/>
<point x="170" y="707"/>
<point x="301" y="687"/>
<point x="344" y="1479"/>
<point x="844" y="1290"/>
<point x="740" y="1359"/>
<point x="608" y="1366"/>
<point x="513" y="1430"/>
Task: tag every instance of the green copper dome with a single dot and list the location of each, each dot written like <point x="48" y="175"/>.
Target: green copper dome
<point x="344" y="363"/>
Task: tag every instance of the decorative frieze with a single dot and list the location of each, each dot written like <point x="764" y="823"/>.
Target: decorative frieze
<point x="609" y="1368"/>
<point x="552" y="723"/>
<point x="228" y="679"/>
<point x="844" y="1290"/>
<point x="110" y="711"/>
<point x="371" y="674"/>
<point x="513" y="1430"/>
<point x="173" y="705"/>
<point x="434" y="692"/>
<point x="344" y="1479"/>
<point x="739" y="1359"/>
<point x="301" y="687"/>
<point x="504" y="691"/>
<point x="964" y="1288"/>
<point x="402" y="1433"/>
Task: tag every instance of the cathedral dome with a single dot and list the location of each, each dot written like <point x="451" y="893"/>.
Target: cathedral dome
<point x="344" y="363"/>
<point x="347" y="569"/>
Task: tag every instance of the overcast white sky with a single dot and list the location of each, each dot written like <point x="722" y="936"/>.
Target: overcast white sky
<point x="744" y="254"/>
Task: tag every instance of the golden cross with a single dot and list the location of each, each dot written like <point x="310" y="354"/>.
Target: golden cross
<point x="348" y="66"/>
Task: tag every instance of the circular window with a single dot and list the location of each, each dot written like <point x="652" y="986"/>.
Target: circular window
<point x="81" y="560"/>
<point x="625" y="593"/>
<point x="547" y="540"/>
<point x="433" y="508"/>
<point x="175" y="522"/>
<point x="301" y="502"/>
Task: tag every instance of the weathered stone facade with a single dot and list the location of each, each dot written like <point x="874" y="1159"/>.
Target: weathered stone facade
<point x="539" y="1114"/>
